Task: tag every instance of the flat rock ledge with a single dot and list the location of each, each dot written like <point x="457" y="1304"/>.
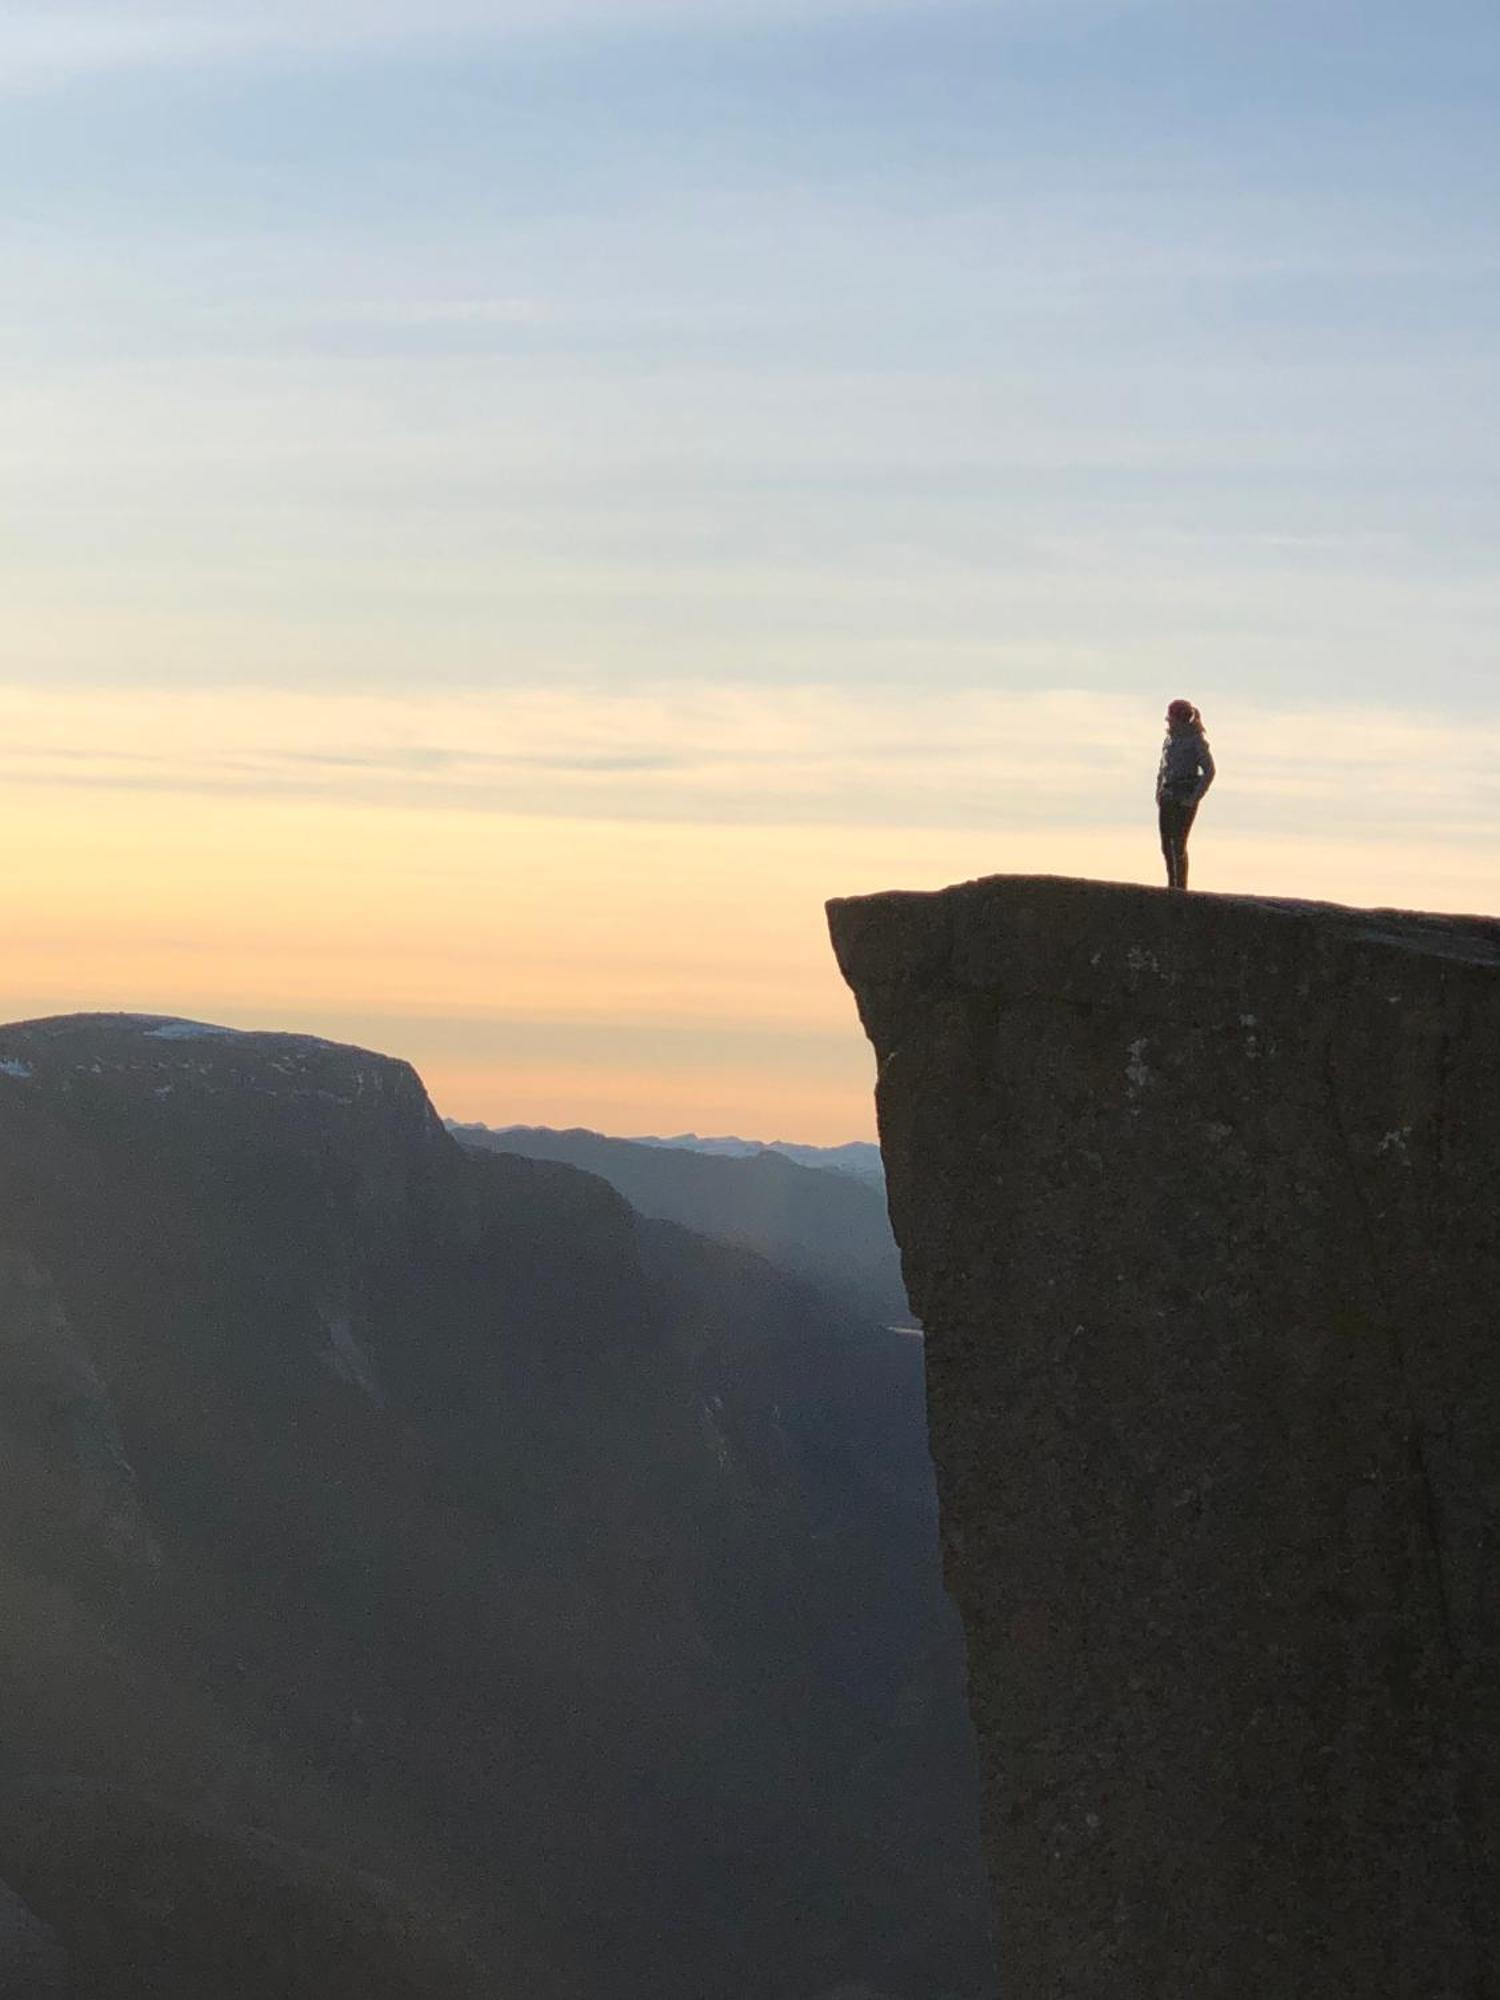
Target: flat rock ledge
<point x="1199" y="1203"/>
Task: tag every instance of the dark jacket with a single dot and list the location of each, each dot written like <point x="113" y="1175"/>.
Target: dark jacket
<point x="1187" y="767"/>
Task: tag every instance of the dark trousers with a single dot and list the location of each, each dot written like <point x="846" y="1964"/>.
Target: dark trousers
<point x="1176" y="817"/>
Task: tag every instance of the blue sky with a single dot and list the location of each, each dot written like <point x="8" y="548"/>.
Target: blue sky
<point x="1020" y="343"/>
<point x="695" y="376"/>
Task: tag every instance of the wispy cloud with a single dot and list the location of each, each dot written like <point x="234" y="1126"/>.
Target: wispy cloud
<point x="576" y="907"/>
<point x="429" y="312"/>
<point x="741" y="755"/>
<point x="43" y="44"/>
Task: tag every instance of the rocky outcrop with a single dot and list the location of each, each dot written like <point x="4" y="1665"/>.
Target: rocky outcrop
<point x="1197" y="1200"/>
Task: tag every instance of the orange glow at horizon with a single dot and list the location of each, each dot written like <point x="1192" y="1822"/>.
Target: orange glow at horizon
<point x="629" y="973"/>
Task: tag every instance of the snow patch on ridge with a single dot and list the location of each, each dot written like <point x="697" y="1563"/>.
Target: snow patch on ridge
<point x="187" y="1031"/>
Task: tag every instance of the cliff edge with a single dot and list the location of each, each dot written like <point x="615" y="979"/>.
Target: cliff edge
<point x="1197" y="1201"/>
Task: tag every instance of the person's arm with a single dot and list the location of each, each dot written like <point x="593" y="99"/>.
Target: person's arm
<point x="1161" y="773"/>
<point x="1205" y="769"/>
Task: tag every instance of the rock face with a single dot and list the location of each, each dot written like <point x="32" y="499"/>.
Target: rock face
<point x="1197" y="1200"/>
<point x="32" y="1963"/>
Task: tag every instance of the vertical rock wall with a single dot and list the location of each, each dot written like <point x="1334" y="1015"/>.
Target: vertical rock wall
<point x="1199" y="1201"/>
<point x="33" y="1965"/>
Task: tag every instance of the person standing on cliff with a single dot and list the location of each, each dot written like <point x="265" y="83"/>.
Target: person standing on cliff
<point x="1185" y="774"/>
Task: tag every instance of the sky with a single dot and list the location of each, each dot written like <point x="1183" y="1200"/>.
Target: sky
<point x="509" y="504"/>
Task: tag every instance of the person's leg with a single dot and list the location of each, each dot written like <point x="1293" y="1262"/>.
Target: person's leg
<point x="1186" y="815"/>
<point x="1166" y="822"/>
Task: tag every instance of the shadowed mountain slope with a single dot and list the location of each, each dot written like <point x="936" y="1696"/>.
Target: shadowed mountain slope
<point x="424" y="1578"/>
<point x="828" y="1227"/>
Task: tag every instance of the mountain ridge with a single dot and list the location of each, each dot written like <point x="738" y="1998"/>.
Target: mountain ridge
<point x="828" y="1228"/>
<point x="432" y="1513"/>
<point x="853" y="1156"/>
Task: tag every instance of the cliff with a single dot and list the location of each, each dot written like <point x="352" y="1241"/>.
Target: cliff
<point x="1197" y="1201"/>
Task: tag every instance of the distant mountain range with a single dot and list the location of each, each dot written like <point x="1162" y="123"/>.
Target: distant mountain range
<point x="824" y="1223"/>
<point x="427" y="1578"/>
<point x="857" y="1157"/>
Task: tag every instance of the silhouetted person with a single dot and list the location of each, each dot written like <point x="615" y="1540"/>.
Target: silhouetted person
<point x="1186" y="772"/>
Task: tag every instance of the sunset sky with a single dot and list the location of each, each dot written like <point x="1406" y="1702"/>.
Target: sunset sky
<point x="511" y="503"/>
